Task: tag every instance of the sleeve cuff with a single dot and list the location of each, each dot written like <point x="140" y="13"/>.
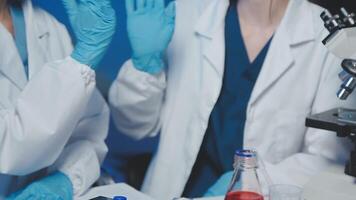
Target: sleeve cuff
<point x="152" y="64"/>
<point x="80" y="163"/>
<point x="85" y="71"/>
<point x="130" y="74"/>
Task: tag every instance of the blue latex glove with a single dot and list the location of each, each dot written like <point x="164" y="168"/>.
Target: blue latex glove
<point x="150" y="28"/>
<point x="93" y="23"/>
<point x="220" y="187"/>
<point x="54" y="187"/>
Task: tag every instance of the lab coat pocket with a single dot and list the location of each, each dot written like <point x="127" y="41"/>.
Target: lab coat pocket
<point x="289" y="133"/>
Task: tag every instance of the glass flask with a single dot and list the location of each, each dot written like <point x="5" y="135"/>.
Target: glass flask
<point x="245" y="183"/>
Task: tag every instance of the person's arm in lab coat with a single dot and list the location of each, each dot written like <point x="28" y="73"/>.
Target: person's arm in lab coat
<point x="83" y="154"/>
<point x="35" y="131"/>
<point x="58" y="115"/>
<point x="321" y="148"/>
<point x="137" y="95"/>
<point x="136" y="99"/>
<point x="86" y="149"/>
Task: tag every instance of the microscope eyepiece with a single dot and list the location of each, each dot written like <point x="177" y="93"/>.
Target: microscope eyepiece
<point x="349" y="18"/>
<point x="326" y="16"/>
<point x="336" y="22"/>
<point x="347" y="88"/>
<point x="332" y="23"/>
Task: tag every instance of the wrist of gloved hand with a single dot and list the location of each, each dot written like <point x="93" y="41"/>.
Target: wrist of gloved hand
<point x="63" y="183"/>
<point x="220" y="187"/>
<point x="86" y="55"/>
<point x="94" y="24"/>
<point x="152" y="63"/>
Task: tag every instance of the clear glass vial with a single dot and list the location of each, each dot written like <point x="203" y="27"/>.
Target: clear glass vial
<point x="245" y="183"/>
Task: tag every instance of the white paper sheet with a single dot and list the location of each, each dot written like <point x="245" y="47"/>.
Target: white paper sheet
<point x="123" y="189"/>
<point x="110" y="191"/>
<point x="331" y="184"/>
<point x="211" y="198"/>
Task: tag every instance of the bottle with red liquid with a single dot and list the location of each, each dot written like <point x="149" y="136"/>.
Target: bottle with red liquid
<point x="245" y="183"/>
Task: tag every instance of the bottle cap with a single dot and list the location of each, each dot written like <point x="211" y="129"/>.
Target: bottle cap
<point x="246" y="153"/>
<point x="120" y="198"/>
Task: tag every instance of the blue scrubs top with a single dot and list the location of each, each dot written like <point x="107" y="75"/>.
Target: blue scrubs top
<point x="19" y="24"/>
<point x="226" y="126"/>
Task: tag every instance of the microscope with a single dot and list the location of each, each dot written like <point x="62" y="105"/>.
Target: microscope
<point x="342" y="43"/>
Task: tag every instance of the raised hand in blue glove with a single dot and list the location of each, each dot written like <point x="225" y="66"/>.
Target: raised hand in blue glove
<point x="54" y="187"/>
<point x="93" y="23"/>
<point x="150" y="28"/>
<point x="220" y="187"/>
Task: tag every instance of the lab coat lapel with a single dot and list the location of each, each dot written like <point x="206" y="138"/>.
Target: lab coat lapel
<point x="292" y="32"/>
<point x="278" y="60"/>
<point x="210" y="29"/>
<point x="10" y="62"/>
<point x="38" y="36"/>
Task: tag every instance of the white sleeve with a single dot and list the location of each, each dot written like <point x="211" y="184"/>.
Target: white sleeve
<point x="86" y="149"/>
<point x="34" y="133"/>
<point x="136" y="100"/>
<point x="321" y="148"/>
<point x="83" y="154"/>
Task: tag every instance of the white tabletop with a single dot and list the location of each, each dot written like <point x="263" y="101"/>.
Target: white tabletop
<point x="110" y="191"/>
<point x="123" y="189"/>
<point x="330" y="184"/>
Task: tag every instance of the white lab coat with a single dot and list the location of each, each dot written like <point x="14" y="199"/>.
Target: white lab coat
<point x="298" y="77"/>
<point x="55" y="119"/>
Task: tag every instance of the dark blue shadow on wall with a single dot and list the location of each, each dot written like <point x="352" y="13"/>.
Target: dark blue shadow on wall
<point x="122" y="149"/>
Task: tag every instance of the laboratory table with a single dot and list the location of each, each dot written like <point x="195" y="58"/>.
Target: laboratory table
<point x="330" y="184"/>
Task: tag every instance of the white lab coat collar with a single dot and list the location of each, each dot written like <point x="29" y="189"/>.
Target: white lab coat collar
<point x="211" y="28"/>
<point x="212" y="18"/>
<point x="37" y="38"/>
<point x="298" y="30"/>
<point x="292" y="31"/>
<point x="10" y="63"/>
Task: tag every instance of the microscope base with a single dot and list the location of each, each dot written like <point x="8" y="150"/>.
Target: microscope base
<point x="343" y="122"/>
